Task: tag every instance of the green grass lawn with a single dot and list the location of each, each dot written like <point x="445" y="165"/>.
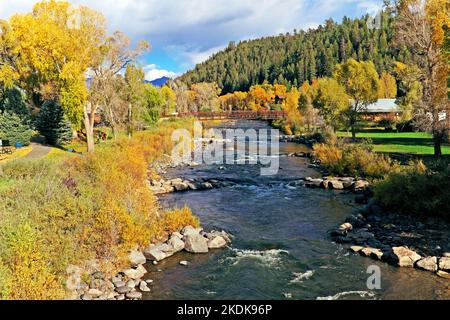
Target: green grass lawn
<point x="418" y="143"/>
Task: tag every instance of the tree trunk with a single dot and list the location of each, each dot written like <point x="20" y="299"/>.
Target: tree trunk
<point x="130" y="125"/>
<point x="437" y="138"/>
<point x="89" y="119"/>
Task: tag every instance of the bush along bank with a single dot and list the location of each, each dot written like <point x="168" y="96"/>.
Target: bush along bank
<point x="130" y="283"/>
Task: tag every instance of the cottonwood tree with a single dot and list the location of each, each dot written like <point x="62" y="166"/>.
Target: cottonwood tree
<point x="113" y="56"/>
<point x="47" y="52"/>
<point x="388" y="86"/>
<point x="332" y="101"/>
<point x="360" y="80"/>
<point x="420" y="27"/>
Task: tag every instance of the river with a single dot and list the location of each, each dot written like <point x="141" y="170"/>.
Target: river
<point x="281" y="249"/>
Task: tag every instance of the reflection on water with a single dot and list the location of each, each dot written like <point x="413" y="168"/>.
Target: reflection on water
<point x="281" y="248"/>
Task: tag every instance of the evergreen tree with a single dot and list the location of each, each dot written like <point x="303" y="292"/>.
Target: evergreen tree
<point x="13" y="129"/>
<point x="53" y="124"/>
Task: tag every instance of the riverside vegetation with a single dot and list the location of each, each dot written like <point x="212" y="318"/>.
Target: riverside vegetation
<point x="93" y="207"/>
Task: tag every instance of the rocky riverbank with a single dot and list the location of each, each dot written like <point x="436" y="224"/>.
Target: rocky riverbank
<point x="402" y="241"/>
<point x="88" y="283"/>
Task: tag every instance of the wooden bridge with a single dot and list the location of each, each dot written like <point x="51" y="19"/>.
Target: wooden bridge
<point x="232" y="115"/>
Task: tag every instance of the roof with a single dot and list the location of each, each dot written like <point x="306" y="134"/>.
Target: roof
<point x="383" y="106"/>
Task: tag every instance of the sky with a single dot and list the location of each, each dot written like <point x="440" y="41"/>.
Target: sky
<point x="183" y="33"/>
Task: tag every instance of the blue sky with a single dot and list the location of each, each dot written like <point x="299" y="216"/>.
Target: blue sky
<point x="185" y="32"/>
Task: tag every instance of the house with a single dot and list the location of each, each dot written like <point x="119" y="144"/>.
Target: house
<point x="383" y="109"/>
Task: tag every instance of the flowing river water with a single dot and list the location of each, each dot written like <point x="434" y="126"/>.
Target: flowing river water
<point x="281" y="249"/>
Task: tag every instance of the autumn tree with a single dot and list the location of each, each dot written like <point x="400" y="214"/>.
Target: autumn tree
<point x="310" y="115"/>
<point x="360" y="80"/>
<point x="291" y="106"/>
<point x="420" y="26"/>
<point x="409" y="89"/>
<point x="332" y="101"/>
<point x="47" y="52"/>
<point x="206" y="96"/>
<point x="170" y="99"/>
<point x="388" y="86"/>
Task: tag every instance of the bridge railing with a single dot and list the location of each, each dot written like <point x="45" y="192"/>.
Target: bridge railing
<point x="265" y="115"/>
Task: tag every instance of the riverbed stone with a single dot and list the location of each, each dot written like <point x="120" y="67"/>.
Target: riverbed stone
<point x="144" y="287"/>
<point x="184" y="263"/>
<point x="444" y="264"/>
<point x="361" y="184"/>
<point x="443" y="274"/>
<point x="372" y="253"/>
<point x="176" y="244"/>
<point x="356" y="249"/>
<point x="346" y="227"/>
<point x="134" y="295"/>
<point x="123" y="290"/>
<point x="95" y="292"/>
<point x="120" y="297"/>
<point x="402" y="257"/>
<point x="195" y="243"/>
<point x="335" y="184"/>
<point x="136" y="258"/>
<point x="152" y="253"/>
<point x="428" y="264"/>
<point x="119" y="284"/>
<point x="217" y="242"/>
<point x="190" y="230"/>
<point x="135" y="273"/>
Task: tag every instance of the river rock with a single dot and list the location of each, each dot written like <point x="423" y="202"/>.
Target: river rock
<point x="372" y="253"/>
<point x="152" y="253"/>
<point x="428" y="264"/>
<point x="195" y="243"/>
<point x="313" y="183"/>
<point x="444" y="264"/>
<point x="443" y="274"/>
<point x="135" y="274"/>
<point x="181" y="186"/>
<point x="361" y="184"/>
<point x="403" y="257"/>
<point x="143" y="287"/>
<point x="95" y="292"/>
<point x="134" y="295"/>
<point x="131" y="284"/>
<point x="137" y="258"/>
<point x="356" y="249"/>
<point x="119" y="284"/>
<point x="120" y="297"/>
<point x="335" y="184"/>
<point x="176" y="244"/>
<point x="217" y="243"/>
<point x="190" y="230"/>
<point x="184" y="263"/>
<point x="346" y="227"/>
<point x="123" y="290"/>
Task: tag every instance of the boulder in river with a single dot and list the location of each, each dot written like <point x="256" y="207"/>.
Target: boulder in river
<point x="372" y="253"/>
<point x="428" y="264"/>
<point x="444" y="264"/>
<point x="195" y="243"/>
<point x="217" y="242"/>
<point x="152" y="253"/>
<point x="176" y="244"/>
<point x="402" y="257"/>
<point x="136" y="258"/>
<point x="335" y="184"/>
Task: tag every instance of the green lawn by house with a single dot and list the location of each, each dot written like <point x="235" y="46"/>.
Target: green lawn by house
<point x="418" y="143"/>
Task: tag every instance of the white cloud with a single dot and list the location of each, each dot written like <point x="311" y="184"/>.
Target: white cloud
<point x="199" y="28"/>
<point x="152" y="73"/>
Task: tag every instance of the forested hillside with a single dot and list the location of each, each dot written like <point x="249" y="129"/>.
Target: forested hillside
<point x="292" y="58"/>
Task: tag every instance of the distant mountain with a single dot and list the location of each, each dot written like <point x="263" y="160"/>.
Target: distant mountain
<point x="159" y="82"/>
